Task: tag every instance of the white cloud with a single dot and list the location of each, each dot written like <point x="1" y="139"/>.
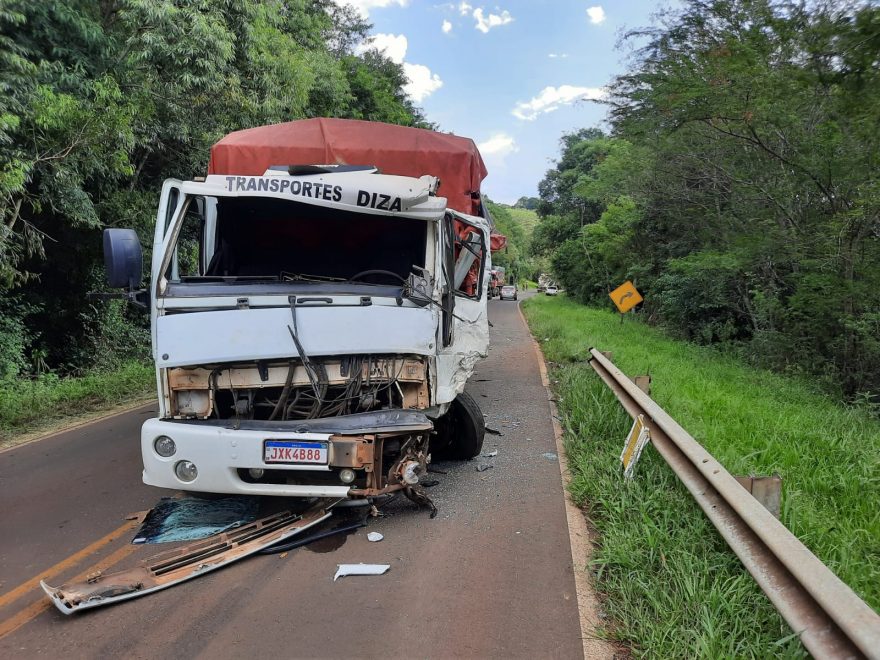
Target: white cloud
<point x="393" y="46"/>
<point x="486" y="23"/>
<point x="422" y="83"/>
<point x="553" y="98"/>
<point x="498" y="146"/>
<point x="464" y="8"/>
<point x="363" y="7"/>
<point x="554" y="56"/>
<point x="596" y="14"/>
<point x="447" y="27"/>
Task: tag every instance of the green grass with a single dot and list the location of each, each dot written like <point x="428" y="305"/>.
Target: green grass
<point x="670" y="583"/>
<point x="29" y="404"/>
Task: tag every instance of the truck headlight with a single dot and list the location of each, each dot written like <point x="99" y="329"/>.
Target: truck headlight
<point x="186" y="471"/>
<point x="164" y="446"/>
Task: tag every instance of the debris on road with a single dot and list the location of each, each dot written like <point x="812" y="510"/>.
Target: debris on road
<point x="191" y="519"/>
<point x="374" y="537"/>
<point x="492" y="431"/>
<point x="482" y="467"/>
<point x="343" y="526"/>
<point x="550" y="456"/>
<point x="184" y="563"/>
<point x="430" y="483"/>
<point x="418" y="495"/>
<point x="344" y="570"/>
<point x="491" y="454"/>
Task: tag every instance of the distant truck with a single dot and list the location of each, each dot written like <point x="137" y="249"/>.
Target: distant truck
<point x="317" y="303"/>
<point x="544" y="280"/>
<point x="496" y="281"/>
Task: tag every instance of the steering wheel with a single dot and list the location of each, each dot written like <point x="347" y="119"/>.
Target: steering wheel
<point x="388" y="273"/>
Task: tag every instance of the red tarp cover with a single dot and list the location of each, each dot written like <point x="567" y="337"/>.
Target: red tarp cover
<point x="393" y="149"/>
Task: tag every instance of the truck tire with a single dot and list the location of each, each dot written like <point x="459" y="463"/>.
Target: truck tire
<point x="460" y="431"/>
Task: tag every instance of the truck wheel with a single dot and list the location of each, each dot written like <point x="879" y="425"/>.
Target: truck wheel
<point x="461" y="430"/>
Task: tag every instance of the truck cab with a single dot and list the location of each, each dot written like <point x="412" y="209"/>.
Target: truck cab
<point x="313" y="328"/>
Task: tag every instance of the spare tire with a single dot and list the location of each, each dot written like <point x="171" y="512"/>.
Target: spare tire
<point x="460" y="431"/>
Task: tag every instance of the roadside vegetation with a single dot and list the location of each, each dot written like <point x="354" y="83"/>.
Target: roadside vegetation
<point x="737" y="187"/>
<point x="29" y="405"/>
<point x="103" y="101"/>
<point x="517" y="223"/>
<point x="668" y="581"/>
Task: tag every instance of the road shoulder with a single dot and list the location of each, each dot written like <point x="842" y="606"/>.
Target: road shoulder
<point x="71" y="423"/>
<point x="581" y="537"/>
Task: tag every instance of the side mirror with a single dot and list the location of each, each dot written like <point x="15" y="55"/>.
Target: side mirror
<point x="123" y="259"/>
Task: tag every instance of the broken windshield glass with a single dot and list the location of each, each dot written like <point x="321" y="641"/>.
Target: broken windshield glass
<point x="229" y="239"/>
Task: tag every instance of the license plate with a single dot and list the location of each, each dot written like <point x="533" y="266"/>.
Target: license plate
<point x="295" y="451"/>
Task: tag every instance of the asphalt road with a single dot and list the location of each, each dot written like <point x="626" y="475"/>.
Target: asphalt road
<point x="490" y="576"/>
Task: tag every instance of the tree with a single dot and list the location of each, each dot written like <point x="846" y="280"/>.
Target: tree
<point x="740" y="184"/>
<point x="100" y="102"/>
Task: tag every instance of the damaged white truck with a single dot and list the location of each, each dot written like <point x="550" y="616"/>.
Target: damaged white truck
<point x="317" y="303"/>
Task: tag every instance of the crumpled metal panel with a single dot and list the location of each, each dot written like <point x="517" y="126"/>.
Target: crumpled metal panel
<point x="190" y="561"/>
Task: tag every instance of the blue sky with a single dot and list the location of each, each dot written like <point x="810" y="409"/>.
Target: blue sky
<point x="511" y="76"/>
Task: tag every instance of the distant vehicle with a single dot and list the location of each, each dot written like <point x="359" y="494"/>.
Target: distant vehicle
<point x="508" y="292"/>
<point x="544" y="281"/>
<point x="551" y="290"/>
<point x="496" y="281"/>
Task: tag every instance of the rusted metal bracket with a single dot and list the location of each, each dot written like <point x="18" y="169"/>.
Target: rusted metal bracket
<point x="643" y="383"/>
<point x="767" y="490"/>
<point x="187" y="562"/>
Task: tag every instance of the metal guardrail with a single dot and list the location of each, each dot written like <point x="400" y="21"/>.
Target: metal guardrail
<point x="831" y="620"/>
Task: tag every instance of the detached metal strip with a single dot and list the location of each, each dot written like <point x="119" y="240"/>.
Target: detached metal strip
<point x="170" y="568"/>
<point x="831" y="620"/>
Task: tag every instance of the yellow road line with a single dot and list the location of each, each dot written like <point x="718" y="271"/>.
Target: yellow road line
<point x="63" y="565"/>
<point x="17" y="620"/>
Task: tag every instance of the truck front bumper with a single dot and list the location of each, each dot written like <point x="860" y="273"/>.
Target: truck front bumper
<point x="223" y="451"/>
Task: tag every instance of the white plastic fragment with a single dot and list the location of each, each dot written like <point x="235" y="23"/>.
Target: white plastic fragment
<point x="374" y="537"/>
<point x="343" y="570"/>
<point x="491" y="454"/>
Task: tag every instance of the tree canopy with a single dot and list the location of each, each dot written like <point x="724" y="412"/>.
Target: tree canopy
<point x="738" y="187"/>
<point x="101" y="101"/>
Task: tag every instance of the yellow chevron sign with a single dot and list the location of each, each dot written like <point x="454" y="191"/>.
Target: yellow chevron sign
<point x="625" y="297"/>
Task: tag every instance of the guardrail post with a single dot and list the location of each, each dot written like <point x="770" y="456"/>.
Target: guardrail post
<point x="767" y="490"/>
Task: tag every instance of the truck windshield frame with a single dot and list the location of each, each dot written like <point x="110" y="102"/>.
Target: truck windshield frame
<point x="245" y="241"/>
